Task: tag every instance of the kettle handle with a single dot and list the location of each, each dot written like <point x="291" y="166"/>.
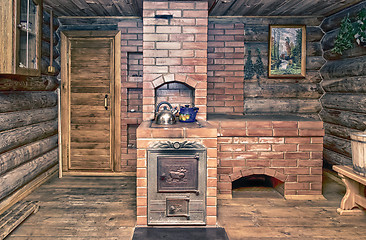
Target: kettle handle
<point x="161" y="103"/>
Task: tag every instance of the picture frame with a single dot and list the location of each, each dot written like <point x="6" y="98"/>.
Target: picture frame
<point x="287" y="51"/>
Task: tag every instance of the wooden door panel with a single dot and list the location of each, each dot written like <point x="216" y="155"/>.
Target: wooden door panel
<point x="75" y="145"/>
<point x="90" y="122"/>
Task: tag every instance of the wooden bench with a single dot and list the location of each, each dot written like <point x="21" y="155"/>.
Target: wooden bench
<point x="355" y="192"/>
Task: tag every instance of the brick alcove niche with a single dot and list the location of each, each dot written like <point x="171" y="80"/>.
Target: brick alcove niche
<point x="196" y="87"/>
<point x="176" y="93"/>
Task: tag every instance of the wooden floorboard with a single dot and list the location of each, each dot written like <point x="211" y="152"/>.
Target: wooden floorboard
<point x="81" y="208"/>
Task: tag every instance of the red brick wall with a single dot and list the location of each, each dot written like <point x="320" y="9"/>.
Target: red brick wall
<point x="287" y="150"/>
<point x="131" y="106"/>
<point x="175" y="50"/>
<point x="225" y="65"/>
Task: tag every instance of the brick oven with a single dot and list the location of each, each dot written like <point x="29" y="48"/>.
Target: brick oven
<point x="179" y="185"/>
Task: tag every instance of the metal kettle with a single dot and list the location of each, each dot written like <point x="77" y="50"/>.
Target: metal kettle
<point x="165" y="116"/>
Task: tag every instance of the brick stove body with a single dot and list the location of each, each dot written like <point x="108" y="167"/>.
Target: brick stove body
<point x="179" y="149"/>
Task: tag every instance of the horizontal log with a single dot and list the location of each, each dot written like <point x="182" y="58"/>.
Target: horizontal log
<point x="287" y="90"/>
<point x="314" y="62"/>
<point x="312" y="48"/>
<point x="45" y="62"/>
<point x="255" y="33"/>
<point x="329" y="39"/>
<point x="356" y="51"/>
<point x="42" y="83"/>
<point x="20" y="176"/>
<point x="281" y="106"/>
<point x="334" y="21"/>
<point x="23" y="154"/>
<point x="18" y="101"/>
<point x="314" y="34"/>
<point x="334" y="158"/>
<point x="23" y="118"/>
<point x="259" y="33"/>
<point x="93" y="27"/>
<point x="46" y="20"/>
<point x="350" y="67"/>
<point x="346" y="85"/>
<point x="46" y="50"/>
<point x="20" y="136"/>
<point x="338" y="130"/>
<point x="349" y="102"/>
<point x="339" y="145"/>
<point x="312" y="76"/>
<point x="46" y="35"/>
<point x="347" y="119"/>
<point x="308" y="21"/>
<point x="96" y="20"/>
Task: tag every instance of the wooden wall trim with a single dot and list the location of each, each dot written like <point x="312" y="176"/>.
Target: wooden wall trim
<point x="64" y="113"/>
<point x="117" y="102"/>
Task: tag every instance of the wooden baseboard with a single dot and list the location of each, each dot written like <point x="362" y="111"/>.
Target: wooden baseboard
<point x="100" y="174"/>
<point x="333" y="176"/>
<point x="224" y="196"/>
<point x="305" y="197"/>
<point x="27" y="189"/>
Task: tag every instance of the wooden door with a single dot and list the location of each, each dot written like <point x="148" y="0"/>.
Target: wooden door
<point x="90" y="104"/>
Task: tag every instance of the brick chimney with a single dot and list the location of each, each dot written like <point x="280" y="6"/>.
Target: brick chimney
<point x="175" y="51"/>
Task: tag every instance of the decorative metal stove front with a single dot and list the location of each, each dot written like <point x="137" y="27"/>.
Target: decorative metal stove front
<point x="177" y="183"/>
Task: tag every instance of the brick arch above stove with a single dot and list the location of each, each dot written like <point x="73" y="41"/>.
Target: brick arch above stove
<point x="197" y="82"/>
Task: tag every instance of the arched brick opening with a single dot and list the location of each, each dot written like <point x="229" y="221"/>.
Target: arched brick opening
<point x="196" y="83"/>
<point x="167" y="78"/>
<point x="277" y="178"/>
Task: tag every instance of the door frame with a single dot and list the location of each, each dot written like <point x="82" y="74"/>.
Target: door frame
<point x="64" y="116"/>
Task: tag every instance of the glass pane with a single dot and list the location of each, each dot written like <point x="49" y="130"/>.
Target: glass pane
<point x="32" y="38"/>
<point x="32" y="51"/>
<point x="28" y="34"/>
<point x="23" y="13"/>
<point x="32" y="17"/>
<point x="23" y="49"/>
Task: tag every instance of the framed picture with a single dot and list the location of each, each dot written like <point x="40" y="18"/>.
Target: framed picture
<point x="287" y="51"/>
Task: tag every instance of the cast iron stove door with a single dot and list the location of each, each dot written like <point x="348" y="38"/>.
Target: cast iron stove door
<point x="178" y="174"/>
<point x="177" y="186"/>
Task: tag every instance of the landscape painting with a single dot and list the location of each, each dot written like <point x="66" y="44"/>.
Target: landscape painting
<point x="287" y="51"/>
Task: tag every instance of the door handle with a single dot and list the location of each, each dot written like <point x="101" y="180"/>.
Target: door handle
<point x="106" y="102"/>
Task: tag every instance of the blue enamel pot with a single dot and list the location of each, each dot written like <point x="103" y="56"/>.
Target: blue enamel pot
<point x="187" y="114"/>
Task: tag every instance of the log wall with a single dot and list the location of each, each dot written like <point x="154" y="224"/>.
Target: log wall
<point x="344" y="82"/>
<point x="28" y="121"/>
<point x="229" y="42"/>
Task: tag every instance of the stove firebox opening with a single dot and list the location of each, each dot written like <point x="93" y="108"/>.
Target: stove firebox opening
<point x="257" y="185"/>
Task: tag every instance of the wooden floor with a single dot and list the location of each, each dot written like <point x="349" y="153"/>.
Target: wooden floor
<point x="104" y="208"/>
<point x="81" y="208"/>
<point x="266" y="215"/>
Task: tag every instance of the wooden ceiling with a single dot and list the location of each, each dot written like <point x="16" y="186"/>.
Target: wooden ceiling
<point x="316" y="8"/>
